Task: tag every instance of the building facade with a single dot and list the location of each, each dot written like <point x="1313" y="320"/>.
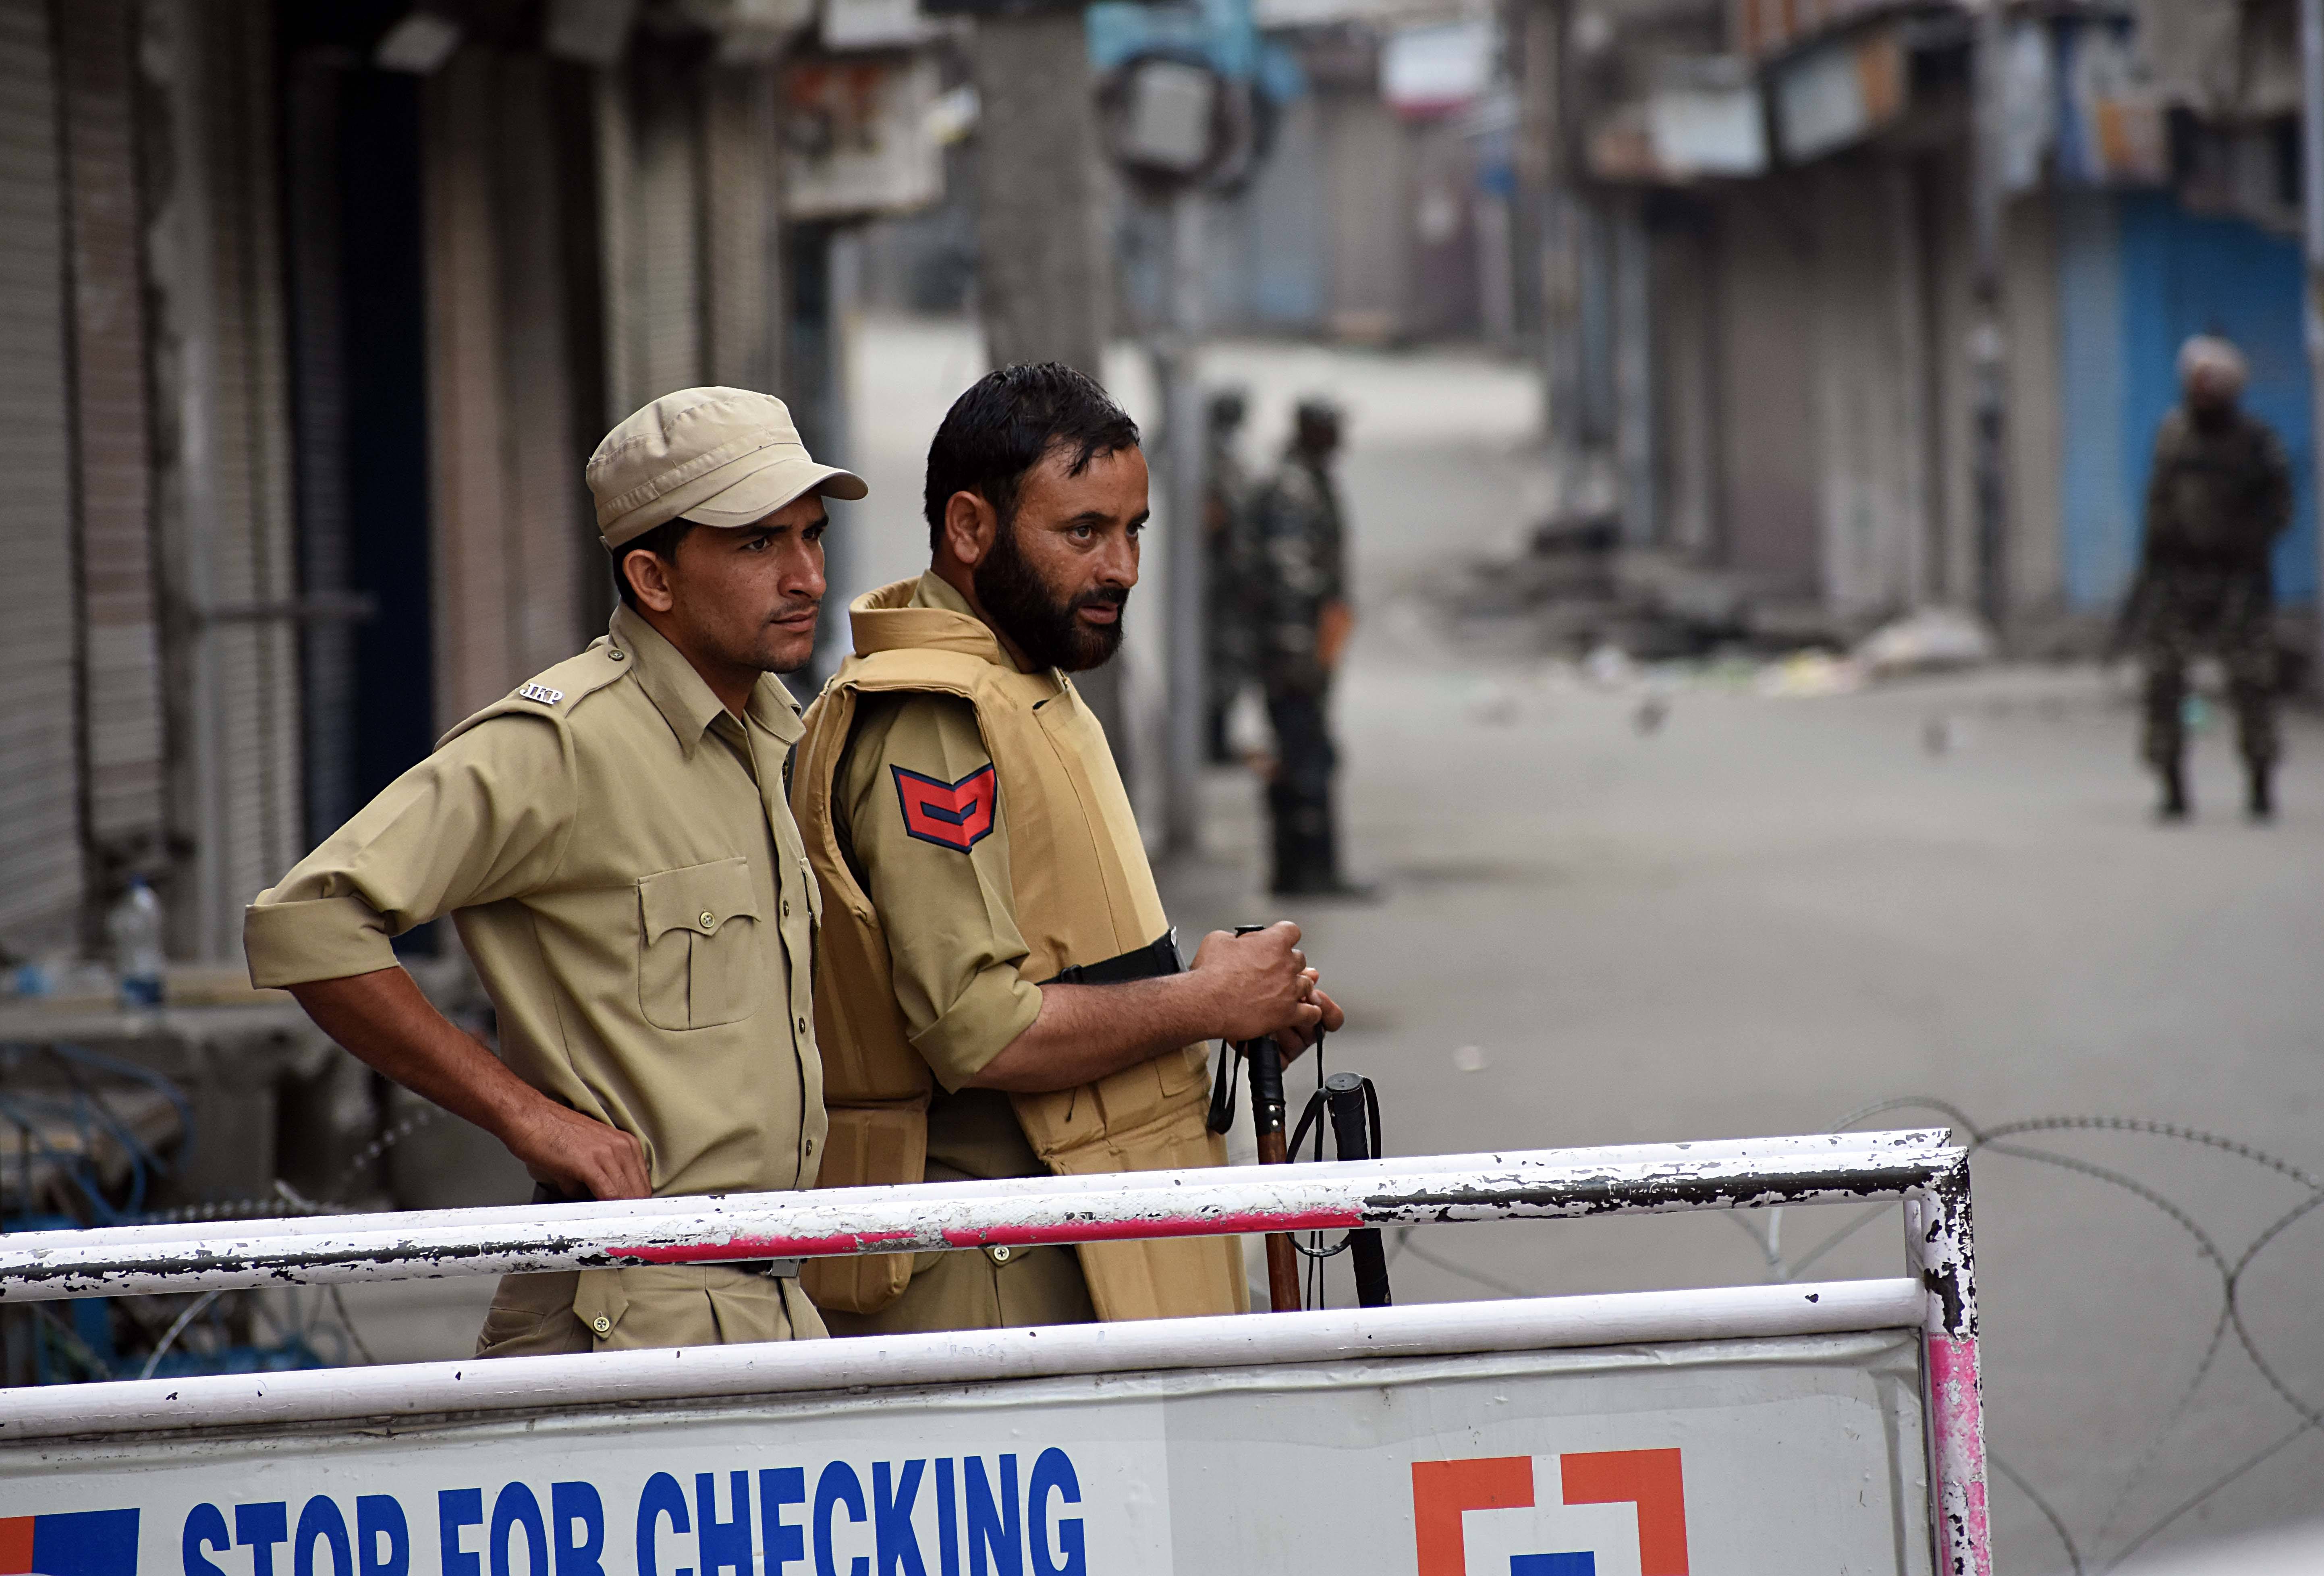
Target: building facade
<point x="1784" y="191"/>
<point x="310" y="316"/>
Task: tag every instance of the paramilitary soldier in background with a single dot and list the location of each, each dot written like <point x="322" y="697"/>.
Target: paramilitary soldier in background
<point x="1303" y="619"/>
<point x="2219" y="495"/>
<point x="1227" y="566"/>
<point x="1001" y="994"/>
<point x="613" y="844"/>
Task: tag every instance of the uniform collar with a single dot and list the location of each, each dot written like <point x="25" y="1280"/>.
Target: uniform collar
<point x="686" y="703"/>
<point x="923" y="614"/>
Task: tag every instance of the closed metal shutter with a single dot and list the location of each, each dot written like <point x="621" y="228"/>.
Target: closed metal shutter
<point x="40" y="866"/>
<point x="223" y="452"/>
<point x="121" y="702"/>
<point x="258" y="823"/>
<point x="510" y="522"/>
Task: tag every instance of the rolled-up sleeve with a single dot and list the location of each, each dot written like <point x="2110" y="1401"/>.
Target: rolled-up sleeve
<point x="481" y="819"/>
<point x="954" y="946"/>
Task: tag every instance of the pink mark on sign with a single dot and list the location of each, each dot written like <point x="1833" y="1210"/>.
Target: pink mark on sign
<point x="1956" y="1395"/>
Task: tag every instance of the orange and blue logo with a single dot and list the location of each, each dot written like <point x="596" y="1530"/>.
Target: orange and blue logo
<point x="84" y="1542"/>
<point x="1585" y="1513"/>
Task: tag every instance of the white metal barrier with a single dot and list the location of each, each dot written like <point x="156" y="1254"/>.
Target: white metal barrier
<point x="884" y="1411"/>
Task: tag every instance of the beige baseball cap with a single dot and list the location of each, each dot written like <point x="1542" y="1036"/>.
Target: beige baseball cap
<point x="721" y="457"/>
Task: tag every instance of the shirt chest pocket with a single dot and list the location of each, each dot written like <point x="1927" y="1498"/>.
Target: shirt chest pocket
<point x="700" y="954"/>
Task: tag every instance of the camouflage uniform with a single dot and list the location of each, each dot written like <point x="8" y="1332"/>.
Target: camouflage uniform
<point x="1300" y="569"/>
<point x="2219" y="495"/>
<point x="1230" y="646"/>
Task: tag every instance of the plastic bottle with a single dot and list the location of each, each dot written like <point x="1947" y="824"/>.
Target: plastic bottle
<point x="134" y="925"/>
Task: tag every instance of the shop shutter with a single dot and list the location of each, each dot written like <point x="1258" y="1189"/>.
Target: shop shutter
<point x="121" y="700"/>
<point x="253" y="812"/>
<point x="41" y="864"/>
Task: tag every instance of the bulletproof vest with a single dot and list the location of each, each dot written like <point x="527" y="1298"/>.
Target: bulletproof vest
<point x="1083" y="893"/>
<point x="2210" y="494"/>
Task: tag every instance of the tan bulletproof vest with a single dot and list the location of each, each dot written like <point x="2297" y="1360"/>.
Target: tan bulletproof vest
<point x="1083" y="893"/>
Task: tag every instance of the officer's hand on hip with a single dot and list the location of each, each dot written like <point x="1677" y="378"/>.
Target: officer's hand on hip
<point x="578" y="1155"/>
<point x="1259" y="981"/>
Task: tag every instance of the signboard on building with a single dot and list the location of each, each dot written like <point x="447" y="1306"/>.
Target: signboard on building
<point x="1838" y="93"/>
<point x="1732" y="1456"/>
<point x="859" y="137"/>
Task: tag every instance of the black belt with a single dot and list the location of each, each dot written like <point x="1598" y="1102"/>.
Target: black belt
<point x="1158" y="959"/>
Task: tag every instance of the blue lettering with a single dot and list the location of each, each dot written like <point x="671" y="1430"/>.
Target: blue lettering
<point x="839" y="1485"/>
<point x="205" y="1529"/>
<point x="785" y="1545"/>
<point x="378" y="1516"/>
<point x="456" y="1508"/>
<point x="996" y="1532"/>
<point x="947" y="1521"/>
<point x="514" y="1506"/>
<point x="891" y="1518"/>
<point x="322" y="1520"/>
<point x="261" y="1527"/>
<point x="577" y="1504"/>
<point x="663" y="1496"/>
<point x="723" y="1546"/>
<point x="1055" y="1472"/>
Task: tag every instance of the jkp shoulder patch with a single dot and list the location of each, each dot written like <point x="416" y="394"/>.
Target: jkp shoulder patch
<point x="541" y="692"/>
<point x="957" y="815"/>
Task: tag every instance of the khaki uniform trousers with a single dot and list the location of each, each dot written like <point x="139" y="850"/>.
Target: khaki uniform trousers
<point x="965" y="1289"/>
<point x="622" y="1309"/>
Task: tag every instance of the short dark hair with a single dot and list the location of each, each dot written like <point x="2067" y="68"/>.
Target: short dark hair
<point x="1006" y="423"/>
<point x="661" y="541"/>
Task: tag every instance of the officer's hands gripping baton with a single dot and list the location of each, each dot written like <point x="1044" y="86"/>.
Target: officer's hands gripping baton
<point x="1264" y="1057"/>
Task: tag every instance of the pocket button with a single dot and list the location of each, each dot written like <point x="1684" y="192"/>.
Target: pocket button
<point x="600" y="1324"/>
<point x="708" y="919"/>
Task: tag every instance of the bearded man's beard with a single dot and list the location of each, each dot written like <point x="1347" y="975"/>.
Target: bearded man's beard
<point x="1049" y="632"/>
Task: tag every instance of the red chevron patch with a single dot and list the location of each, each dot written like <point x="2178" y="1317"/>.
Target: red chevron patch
<point x="957" y="815"/>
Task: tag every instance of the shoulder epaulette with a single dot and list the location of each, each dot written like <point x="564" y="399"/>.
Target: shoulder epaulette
<point x="554" y="692"/>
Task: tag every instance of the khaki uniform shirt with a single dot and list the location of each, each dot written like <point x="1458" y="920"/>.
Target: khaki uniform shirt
<point x="618" y="853"/>
<point x="950" y="918"/>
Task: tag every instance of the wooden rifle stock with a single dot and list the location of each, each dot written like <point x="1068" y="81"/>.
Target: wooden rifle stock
<point x="1265" y="1059"/>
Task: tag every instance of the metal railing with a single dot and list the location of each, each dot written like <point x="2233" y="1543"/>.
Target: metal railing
<point x="1923" y="1170"/>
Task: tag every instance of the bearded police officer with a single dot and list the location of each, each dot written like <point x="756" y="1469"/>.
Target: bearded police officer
<point x="1000" y="995"/>
<point x="612" y="841"/>
<point x="2218" y="497"/>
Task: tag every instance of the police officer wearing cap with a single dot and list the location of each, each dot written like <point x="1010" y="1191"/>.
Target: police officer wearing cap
<point x="613" y="840"/>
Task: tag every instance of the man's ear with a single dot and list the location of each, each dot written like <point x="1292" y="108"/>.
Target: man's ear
<point x="648" y="576"/>
<point x="970" y="525"/>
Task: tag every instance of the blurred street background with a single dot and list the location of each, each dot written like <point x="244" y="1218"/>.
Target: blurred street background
<point x="1747" y="407"/>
